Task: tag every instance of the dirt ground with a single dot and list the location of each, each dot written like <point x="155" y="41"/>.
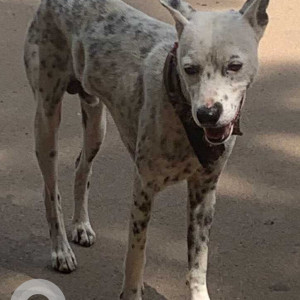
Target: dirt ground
<point x="255" y="243"/>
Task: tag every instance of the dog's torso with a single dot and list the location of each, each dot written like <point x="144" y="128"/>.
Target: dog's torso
<point x="118" y="54"/>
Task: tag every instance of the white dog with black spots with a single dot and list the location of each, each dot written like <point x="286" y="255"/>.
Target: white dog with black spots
<point x="114" y="57"/>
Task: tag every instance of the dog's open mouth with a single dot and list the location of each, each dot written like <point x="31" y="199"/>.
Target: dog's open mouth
<point x="219" y="135"/>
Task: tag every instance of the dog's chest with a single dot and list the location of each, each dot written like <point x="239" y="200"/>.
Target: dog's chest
<point x="162" y="145"/>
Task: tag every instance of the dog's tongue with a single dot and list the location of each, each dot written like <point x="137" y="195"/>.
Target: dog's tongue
<point x="218" y="135"/>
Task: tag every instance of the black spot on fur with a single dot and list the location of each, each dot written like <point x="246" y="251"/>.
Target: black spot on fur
<point x="109" y="29"/>
<point x="126" y="28"/>
<point x="207" y="220"/>
<point x="135" y="229"/>
<point x="121" y="19"/>
<point x="79" y="234"/>
<point x="143" y="225"/>
<point x="204" y="191"/>
<point x="144" y="195"/>
<point x="144" y="51"/>
<point x="166" y="179"/>
<point x="145" y="207"/>
<point x="112" y="16"/>
<point x="94" y="49"/>
<point x="150" y="184"/>
<point x="208" y="180"/>
<point x="213" y="187"/>
<point x="199" y="217"/>
<point x="43" y="63"/>
<point x="52" y="153"/>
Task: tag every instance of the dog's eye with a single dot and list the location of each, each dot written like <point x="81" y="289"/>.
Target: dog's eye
<point x="234" y="66"/>
<point x="192" y="70"/>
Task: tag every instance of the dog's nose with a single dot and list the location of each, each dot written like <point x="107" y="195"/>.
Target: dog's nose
<point x="209" y="116"/>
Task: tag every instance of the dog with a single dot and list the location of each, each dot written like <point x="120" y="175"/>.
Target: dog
<point x="175" y="94"/>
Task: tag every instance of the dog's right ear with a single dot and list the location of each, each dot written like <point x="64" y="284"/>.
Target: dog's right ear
<point x="180" y="11"/>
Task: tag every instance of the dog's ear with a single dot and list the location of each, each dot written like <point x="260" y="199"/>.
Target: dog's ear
<point x="180" y="11"/>
<point x="255" y="12"/>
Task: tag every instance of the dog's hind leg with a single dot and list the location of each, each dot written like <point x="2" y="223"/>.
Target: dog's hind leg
<point x="47" y="122"/>
<point x="201" y="207"/>
<point x="47" y="64"/>
<point x="94" y="127"/>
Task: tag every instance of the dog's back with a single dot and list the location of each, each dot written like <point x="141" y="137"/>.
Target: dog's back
<point x="106" y="44"/>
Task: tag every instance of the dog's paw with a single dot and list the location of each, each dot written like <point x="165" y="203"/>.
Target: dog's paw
<point x="83" y="234"/>
<point x="132" y="294"/>
<point x="200" y="295"/>
<point x="63" y="258"/>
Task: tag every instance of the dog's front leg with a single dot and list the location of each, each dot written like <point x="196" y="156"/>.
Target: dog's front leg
<point x="201" y="207"/>
<point x="135" y="260"/>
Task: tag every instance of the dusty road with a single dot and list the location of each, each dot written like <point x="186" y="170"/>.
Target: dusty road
<point x="255" y="244"/>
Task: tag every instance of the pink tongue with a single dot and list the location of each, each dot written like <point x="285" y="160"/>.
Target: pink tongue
<point x="218" y="134"/>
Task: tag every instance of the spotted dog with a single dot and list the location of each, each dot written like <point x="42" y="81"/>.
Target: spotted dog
<point x="175" y="94"/>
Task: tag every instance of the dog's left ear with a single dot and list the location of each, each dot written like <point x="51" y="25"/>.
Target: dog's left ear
<point x="255" y="12"/>
<point x="180" y="11"/>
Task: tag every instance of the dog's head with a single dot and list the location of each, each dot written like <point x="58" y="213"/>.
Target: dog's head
<point x="217" y="61"/>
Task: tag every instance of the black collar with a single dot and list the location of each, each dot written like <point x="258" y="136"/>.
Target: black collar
<point x="206" y="153"/>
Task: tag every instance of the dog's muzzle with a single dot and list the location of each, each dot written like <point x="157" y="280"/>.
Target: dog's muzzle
<point x="219" y="135"/>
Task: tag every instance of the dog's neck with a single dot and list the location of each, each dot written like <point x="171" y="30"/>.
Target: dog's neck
<point x="206" y="153"/>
